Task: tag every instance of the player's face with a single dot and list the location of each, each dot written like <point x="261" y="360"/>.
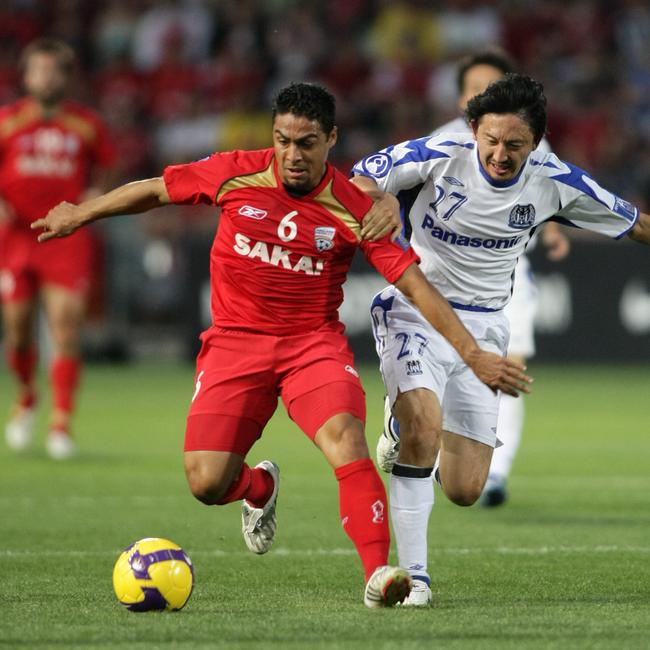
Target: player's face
<point x="44" y="78"/>
<point x="504" y="143"/>
<point x="301" y="149"/>
<point x="476" y="80"/>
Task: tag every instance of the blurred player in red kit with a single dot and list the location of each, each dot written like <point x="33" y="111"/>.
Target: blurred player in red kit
<point x="51" y="150"/>
<point x="289" y="227"/>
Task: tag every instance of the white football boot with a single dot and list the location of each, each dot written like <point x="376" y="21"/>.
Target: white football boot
<point x="258" y="525"/>
<point x="60" y="445"/>
<point x="387" y="586"/>
<point x="20" y="429"/>
<point x="388" y="443"/>
<point x="420" y="595"/>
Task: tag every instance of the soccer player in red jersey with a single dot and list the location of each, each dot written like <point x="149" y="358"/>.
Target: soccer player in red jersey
<point x="289" y="226"/>
<point x="51" y="150"/>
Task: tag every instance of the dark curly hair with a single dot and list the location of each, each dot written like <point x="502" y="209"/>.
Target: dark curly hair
<point x="515" y="93"/>
<point x="307" y="100"/>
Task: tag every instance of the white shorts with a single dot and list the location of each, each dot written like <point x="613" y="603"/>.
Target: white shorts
<point x="414" y="355"/>
<point x="520" y="311"/>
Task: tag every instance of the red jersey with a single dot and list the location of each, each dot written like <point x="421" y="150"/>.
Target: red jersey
<point x="278" y="262"/>
<point x="44" y="161"/>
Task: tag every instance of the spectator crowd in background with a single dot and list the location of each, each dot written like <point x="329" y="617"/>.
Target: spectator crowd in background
<point x="178" y="79"/>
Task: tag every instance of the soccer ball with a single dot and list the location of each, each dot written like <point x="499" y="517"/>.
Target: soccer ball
<point x="153" y="574"/>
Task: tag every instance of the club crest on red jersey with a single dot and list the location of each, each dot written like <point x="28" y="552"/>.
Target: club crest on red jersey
<point x="324" y="238"/>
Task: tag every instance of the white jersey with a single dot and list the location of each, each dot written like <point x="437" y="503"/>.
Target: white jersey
<point x="469" y="229"/>
<point x="460" y="125"/>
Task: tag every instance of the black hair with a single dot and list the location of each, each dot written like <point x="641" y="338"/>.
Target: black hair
<point x="496" y="58"/>
<point x="307" y="100"/>
<point x="515" y="93"/>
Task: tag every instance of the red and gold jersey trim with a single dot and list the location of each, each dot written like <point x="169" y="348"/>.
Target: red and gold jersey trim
<point x="327" y="199"/>
<point x="19" y="120"/>
<point x="264" y="178"/>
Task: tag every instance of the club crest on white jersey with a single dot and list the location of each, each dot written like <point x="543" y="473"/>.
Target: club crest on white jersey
<point x="522" y="216"/>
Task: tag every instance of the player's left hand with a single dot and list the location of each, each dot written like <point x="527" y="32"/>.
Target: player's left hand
<point x="382" y="218"/>
<point x="501" y="373"/>
<point x="555" y="241"/>
<point x="61" y="221"/>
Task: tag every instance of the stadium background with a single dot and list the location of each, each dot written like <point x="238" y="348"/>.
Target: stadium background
<point x="178" y="79"/>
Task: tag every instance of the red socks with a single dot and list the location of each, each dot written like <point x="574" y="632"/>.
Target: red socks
<point x="23" y="364"/>
<point x="255" y="485"/>
<point x="364" y="513"/>
<point x="64" y="376"/>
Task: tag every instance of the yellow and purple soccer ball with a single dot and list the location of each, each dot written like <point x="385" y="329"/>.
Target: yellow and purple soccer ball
<point x="153" y="574"/>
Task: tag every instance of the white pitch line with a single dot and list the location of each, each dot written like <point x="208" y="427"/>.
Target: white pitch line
<point x="329" y="552"/>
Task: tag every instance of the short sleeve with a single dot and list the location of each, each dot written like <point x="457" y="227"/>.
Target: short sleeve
<point x="193" y="183"/>
<point x="390" y="258"/>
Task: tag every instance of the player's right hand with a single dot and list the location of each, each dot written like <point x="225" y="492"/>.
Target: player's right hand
<point x="382" y="218"/>
<point x="61" y="221"/>
<point x="501" y="373"/>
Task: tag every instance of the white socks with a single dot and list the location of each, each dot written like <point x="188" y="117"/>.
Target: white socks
<point x="411" y="501"/>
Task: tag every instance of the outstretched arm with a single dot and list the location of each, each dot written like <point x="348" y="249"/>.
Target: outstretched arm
<point x="499" y="373"/>
<point x="132" y="198"/>
<point x="641" y="230"/>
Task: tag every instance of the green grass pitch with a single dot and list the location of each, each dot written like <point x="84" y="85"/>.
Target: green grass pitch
<point x="565" y="564"/>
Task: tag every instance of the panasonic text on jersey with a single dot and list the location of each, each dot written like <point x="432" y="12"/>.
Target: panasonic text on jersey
<point x="450" y="237"/>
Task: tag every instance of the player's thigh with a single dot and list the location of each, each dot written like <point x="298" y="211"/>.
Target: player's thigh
<point x="319" y="379"/>
<point x="18" y="322"/>
<point x="18" y="279"/>
<point x="333" y="416"/>
<point x="64" y="309"/>
<point x="470" y="408"/>
<point x="413" y="357"/>
<point x="235" y="393"/>
<point x="463" y="465"/>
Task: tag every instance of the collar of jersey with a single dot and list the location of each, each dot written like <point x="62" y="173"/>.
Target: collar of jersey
<point x="499" y="184"/>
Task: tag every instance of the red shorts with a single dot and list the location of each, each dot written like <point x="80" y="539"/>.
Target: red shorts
<point x="240" y="375"/>
<point x="26" y="265"/>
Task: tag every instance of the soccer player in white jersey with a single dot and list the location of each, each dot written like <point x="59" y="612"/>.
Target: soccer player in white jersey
<point x="483" y="195"/>
<point x="475" y="73"/>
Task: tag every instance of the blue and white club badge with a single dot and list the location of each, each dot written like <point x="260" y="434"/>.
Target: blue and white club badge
<point x="522" y="217"/>
<point x="377" y="165"/>
<point x="324" y="238"/>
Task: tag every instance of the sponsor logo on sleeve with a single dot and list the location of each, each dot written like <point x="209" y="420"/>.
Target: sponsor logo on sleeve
<point x="624" y="208"/>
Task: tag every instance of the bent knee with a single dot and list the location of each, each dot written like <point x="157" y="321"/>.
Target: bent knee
<point x="207" y="483"/>
<point x="463" y="495"/>
<point x="207" y="489"/>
